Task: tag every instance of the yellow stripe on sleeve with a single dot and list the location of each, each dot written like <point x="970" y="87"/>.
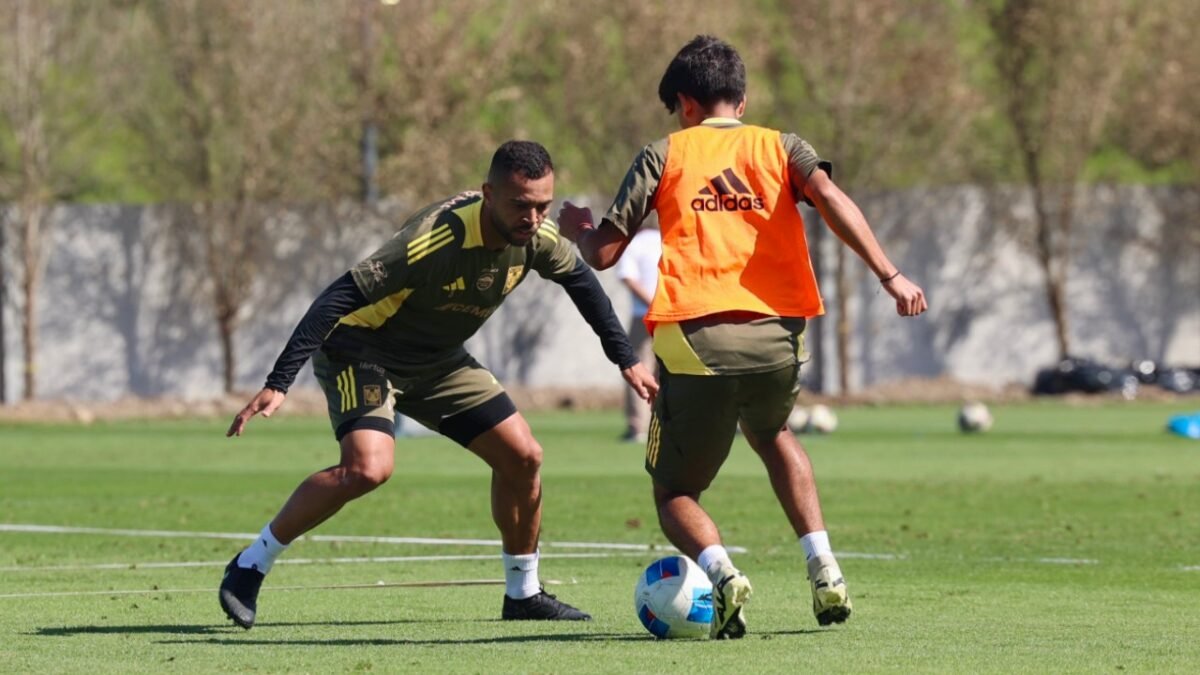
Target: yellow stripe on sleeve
<point x="374" y="316"/>
<point x="434" y="244"/>
<point x="424" y="238"/>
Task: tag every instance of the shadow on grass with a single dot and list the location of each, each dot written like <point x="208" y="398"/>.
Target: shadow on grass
<point x="228" y="633"/>
<point x="401" y="642"/>
<point x="509" y="639"/>
<point x="202" y="629"/>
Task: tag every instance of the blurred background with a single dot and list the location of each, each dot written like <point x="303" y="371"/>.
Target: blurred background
<point x="179" y="179"/>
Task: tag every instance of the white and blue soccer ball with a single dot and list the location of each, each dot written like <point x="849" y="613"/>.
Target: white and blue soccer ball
<point x="673" y="598"/>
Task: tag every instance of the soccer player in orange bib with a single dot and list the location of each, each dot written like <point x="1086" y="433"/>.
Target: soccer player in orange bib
<point x="735" y="289"/>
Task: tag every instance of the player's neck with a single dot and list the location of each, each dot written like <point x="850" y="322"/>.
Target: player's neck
<point x="487" y="231"/>
<point x="718" y="111"/>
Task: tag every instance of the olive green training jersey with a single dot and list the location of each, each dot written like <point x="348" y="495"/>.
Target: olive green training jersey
<point x="434" y="284"/>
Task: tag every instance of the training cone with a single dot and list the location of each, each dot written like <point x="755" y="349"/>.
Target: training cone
<point x="1187" y="426"/>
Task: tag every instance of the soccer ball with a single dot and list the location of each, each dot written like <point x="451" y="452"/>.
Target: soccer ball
<point x="797" y="420"/>
<point x="822" y="420"/>
<point x="673" y="598"/>
<point x="974" y="417"/>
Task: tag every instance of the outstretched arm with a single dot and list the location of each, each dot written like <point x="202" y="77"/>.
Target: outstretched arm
<point x="593" y="304"/>
<point x="341" y="298"/>
<point x="843" y="216"/>
<point x="600" y="246"/>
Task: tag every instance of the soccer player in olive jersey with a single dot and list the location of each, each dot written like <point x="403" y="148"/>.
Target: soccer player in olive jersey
<point x="735" y="289"/>
<point x="388" y="336"/>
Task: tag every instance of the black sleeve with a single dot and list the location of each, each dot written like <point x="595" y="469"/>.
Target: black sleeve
<point x="591" y="301"/>
<point x="341" y="298"/>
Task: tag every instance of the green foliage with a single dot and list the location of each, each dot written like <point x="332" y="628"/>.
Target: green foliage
<point x="896" y="94"/>
<point x="974" y="523"/>
<point x="1113" y="165"/>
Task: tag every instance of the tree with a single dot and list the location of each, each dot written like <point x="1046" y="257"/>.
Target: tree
<point x="594" y="96"/>
<point x="435" y="72"/>
<point x="44" y="46"/>
<point x="1156" y="125"/>
<point x="881" y="95"/>
<point x="1058" y="66"/>
<point x="240" y="104"/>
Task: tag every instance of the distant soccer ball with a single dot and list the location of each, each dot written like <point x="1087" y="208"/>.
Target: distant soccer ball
<point x="797" y="420"/>
<point x="822" y="420"/>
<point x="974" y="418"/>
<point x="673" y="598"/>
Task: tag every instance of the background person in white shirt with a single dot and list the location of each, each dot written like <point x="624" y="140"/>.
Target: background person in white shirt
<point x="638" y="270"/>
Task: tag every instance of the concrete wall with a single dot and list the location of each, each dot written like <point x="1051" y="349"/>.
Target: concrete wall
<point x="124" y="304"/>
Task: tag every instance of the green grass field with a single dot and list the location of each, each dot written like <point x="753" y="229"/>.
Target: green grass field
<point x="1065" y="540"/>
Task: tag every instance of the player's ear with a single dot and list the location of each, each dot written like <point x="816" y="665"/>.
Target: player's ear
<point x="686" y="110"/>
<point x="487" y="192"/>
<point x="741" y="108"/>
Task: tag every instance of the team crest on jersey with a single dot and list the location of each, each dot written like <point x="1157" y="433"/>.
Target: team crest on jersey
<point x="373" y="395"/>
<point x="486" y="279"/>
<point x="514" y="277"/>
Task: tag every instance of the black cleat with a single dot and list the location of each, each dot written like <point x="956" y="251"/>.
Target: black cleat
<point x="239" y="593"/>
<point x="541" y="607"/>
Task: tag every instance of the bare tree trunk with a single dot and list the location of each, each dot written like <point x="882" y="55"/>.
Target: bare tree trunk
<point x="362" y="74"/>
<point x="1053" y="266"/>
<point x="3" y="306"/>
<point x="31" y="226"/>
<point x="221" y="259"/>
<point x="842" y="284"/>
<point x="816" y="252"/>
<point x="226" y="326"/>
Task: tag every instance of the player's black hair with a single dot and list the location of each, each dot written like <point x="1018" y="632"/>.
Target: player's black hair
<point x="527" y="158"/>
<point x="708" y="69"/>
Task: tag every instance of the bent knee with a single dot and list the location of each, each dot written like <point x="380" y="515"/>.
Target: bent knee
<point x="525" y="460"/>
<point x="363" y="479"/>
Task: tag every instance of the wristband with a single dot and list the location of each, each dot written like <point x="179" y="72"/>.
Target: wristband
<point x="884" y="281"/>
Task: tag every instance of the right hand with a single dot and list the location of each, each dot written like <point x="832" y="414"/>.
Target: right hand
<point x="574" y="220"/>
<point x="641" y="381"/>
<point x="264" y="402"/>
<point x="910" y="299"/>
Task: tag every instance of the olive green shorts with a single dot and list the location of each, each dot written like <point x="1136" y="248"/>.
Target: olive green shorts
<point x="695" y="418"/>
<point x="461" y="400"/>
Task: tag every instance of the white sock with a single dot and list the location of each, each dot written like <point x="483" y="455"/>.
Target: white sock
<point x="262" y="553"/>
<point x="712" y="560"/>
<point x="815" y="544"/>
<point x="521" y="575"/>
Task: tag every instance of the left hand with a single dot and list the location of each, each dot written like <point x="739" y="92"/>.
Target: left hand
<point x="642" y="382"/>
<point x="910" y="299"/>
<point x="573" y="220"/>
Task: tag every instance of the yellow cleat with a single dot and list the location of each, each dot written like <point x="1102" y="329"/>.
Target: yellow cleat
<point x="831" y="601"/>
<point x="729" y="595"/>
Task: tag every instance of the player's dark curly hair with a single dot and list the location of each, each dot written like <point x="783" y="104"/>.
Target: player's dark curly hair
<point x="527" y="158"/>
<point x="708" y="69"/>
